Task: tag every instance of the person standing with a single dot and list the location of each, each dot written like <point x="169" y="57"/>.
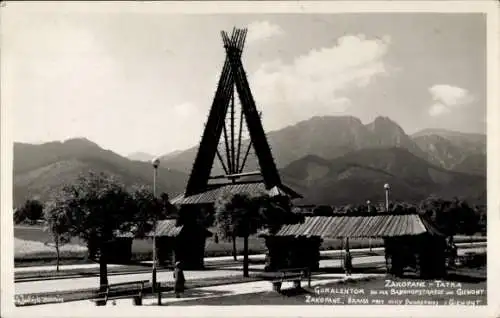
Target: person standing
<point x="179" y="280"/>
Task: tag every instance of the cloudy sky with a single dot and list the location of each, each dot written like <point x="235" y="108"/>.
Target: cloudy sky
<point x="145" y="81"/>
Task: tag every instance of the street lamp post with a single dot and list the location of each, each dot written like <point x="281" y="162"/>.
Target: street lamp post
<point x="387" y="189"/>
<point x="156" y="163"/>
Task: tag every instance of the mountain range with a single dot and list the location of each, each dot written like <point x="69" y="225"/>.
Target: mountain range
<point x="329" y="159"/>
<point x="360" y="175"/>
<point x="39" y="169"/>
<point x="330" y="137"/>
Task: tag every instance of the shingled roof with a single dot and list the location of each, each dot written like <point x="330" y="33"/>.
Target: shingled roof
<point x="368" y="226"/>
<point x="164" y="228"/>
<point x="211" y="195"/>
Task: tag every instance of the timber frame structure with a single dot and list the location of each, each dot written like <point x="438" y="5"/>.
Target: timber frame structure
<point x="233" y="160"/>
<point x="202" y="189"/>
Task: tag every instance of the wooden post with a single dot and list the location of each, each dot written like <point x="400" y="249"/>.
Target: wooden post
<point x="137" y="301"/>
<point x="342" y="253"/>
<point x="234" y="249"/>
<point x="159" y="294"/>
<point x="245" y="256"/>
<point x="309" y="277"/>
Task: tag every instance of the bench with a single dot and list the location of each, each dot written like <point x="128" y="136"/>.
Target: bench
<point x="294" y="275"/>
<point x="134" y="290"/>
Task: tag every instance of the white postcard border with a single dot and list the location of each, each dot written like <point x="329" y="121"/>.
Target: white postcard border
<point x="335" y="7"/>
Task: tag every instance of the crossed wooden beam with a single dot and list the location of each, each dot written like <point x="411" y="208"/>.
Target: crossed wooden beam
<point x="233" y="75"/>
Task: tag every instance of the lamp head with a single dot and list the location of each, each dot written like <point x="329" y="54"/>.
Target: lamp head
<point x="386" y="186"/>
<point x="156" y="162"/>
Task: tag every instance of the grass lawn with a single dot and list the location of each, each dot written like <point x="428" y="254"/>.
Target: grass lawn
<point x="142" y="248"/>
<point x="24" y="249"/>
<point x="330" y="294"/>
<point x="33" y="252"/>
<point x="36" y="233"/>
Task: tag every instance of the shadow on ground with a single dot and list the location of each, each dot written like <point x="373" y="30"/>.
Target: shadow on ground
<point x="204" y="293"/>
<point x="356" y="270"/>
<point x="459" y="275"/>
<point x="189" y="294"/>
<point x="464" y="278"/>
<point x="292" y="292"/>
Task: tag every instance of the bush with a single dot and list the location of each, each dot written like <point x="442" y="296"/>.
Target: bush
<point x="31" y="211"/>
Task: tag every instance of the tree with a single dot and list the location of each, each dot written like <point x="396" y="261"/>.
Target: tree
<point x="32" y="210"/>
<point x="398" y="208"/>
<point x="57" y="224"/>
<point x="169" y="210"/>
<point x="277" y="211"/>
<point x="348" y="209"/>
<point x="362" y="208"/>
<point x="467" y="219"/>
<point x="481" y="215"/>
<point x="409" y="207"/>
<point x="19" y="217"/>
<point x="98" y="208"/>
<point x="338" y="210"/>
<point x="238" y="215"/>
<point x="241" y="215"/>
<point x="148" y="209"/>
<point x="323" y="210"/>
<point x="451" y="217"/>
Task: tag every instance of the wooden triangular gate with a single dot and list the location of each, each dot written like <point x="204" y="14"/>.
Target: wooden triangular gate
<point x="233" y="76"/>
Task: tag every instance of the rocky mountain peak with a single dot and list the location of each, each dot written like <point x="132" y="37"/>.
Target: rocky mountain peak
<point x="385" y="124"/>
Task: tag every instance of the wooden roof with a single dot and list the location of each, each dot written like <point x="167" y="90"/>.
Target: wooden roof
<point x="211" y="195"/>
<point x="164" y="228"/>
<point x="367" y="226"/>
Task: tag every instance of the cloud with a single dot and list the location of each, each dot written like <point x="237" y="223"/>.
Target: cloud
<point x="312" y="84"/>
<point x="447" y="98"/>
<point x="262" y="30"/>
<point x="438" y="109"/>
